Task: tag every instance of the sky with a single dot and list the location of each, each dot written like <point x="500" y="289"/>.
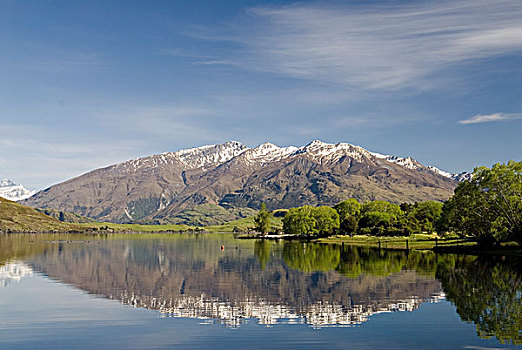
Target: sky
<point x="86" y="84"/>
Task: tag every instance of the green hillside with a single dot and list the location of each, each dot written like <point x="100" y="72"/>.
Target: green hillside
<point x="207" y="215"/>
<point x="65" y="216"/>
<point x="15" y="217"/>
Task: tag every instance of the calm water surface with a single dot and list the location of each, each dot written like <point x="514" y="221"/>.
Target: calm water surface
<point x="183" y="291"/>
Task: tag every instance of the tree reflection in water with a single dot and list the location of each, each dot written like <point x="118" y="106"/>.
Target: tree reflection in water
<point x="488" y="292"/>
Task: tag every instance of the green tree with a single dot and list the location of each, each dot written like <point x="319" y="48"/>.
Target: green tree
<point x="378" y="223"/>
<point x="382" y="207"/>
<point x="488" y="207"/>
<point x="426" y="214"/>
<point x="299" y="221"/>
<point x="326" y="220"/>
<point x="262" y="220"/>
<point x="349" y="212"/>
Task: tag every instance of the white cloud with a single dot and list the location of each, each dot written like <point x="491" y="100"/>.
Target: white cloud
<point x="486" y="118"/>
<point x="381" y="46"/>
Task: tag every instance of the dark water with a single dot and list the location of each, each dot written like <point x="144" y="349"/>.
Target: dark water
<point x="183" y="291"/>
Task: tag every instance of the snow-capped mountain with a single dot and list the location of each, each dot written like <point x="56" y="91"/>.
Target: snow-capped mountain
<point x="234" y="175"/>
<point x="14" y="191"/>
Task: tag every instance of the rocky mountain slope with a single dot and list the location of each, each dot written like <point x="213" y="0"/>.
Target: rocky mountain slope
<point x="13" y="191"/>
<point x="233" y="175"/>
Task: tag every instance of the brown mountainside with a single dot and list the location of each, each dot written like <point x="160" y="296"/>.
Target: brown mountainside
<point x="233" y="175"/>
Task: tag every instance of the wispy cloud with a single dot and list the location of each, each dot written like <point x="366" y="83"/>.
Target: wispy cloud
<point x="384" y="46"/>
<point x="214" y="63"/>
<point x="495" y="117"/>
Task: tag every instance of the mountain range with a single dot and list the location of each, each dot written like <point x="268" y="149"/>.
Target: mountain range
<point x="13" y="191"/>
<point x="231" y="175"/>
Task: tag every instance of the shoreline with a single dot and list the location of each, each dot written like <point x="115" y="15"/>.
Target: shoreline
<point x="416" y="242"/>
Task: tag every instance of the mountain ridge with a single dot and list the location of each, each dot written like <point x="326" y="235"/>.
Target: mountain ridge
<point x="234" y="175"/>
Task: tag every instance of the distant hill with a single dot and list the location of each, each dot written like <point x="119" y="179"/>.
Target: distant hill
<point x="169" y="186"/>
<point x="15" y="217"/>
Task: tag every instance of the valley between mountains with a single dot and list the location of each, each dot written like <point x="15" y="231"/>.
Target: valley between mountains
<point x="228" y="181"/>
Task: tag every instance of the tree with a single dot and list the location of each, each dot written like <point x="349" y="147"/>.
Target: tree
<point x="429" y="210"/>
<point x="380" y="218"/>
<point x="299" y="221"/>
<point x="349" y="212"/>
<point x="377" y="223"/>
<point x="382" y="207"/>
<point x="262" y="220"/>
<point x="420" y="217"/>
<point x="326" y="220"/>
<point x="488" y="207"/>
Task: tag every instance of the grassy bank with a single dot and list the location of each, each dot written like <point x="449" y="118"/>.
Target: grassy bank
<point x="423" y="242"/>
<point x="416" y="241"/>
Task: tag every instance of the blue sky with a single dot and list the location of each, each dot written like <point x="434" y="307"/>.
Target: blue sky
<point x="85" y="84"/>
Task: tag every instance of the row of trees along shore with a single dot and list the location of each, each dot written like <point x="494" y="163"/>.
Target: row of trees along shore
<point x="487" y="208"/>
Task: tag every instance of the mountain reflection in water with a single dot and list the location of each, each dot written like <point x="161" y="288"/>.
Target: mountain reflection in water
<point x="277" y="283"/>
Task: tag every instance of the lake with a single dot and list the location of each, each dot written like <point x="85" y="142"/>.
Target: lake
<point x="185" y="291"/>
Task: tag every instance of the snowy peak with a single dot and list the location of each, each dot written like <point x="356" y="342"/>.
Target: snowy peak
<point x="267" y="152"/>
<point x="7" y="183"/>
<point x="441" y="172"/>
<point x="191" y="158"/>
<point x="210" y="155"/>
<point x="411" y="163"/>
<point x="333" y="152"/>
<point x="407" y="162"/>
<point x="328" y="152"/>
<point x="464" y="176"/>
<point x="13" y="191"/>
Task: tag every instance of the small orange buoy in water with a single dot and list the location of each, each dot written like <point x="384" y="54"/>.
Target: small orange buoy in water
<point x="222" y="247"/>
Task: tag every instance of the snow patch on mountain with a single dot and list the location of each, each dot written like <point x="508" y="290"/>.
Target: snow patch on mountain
<point x="191" y="158"/>
<point x="211" y="155"/>
<point x="13" y="191"/>
<point x="328" y="152"/>
<point x="464" y="176"/>
<point x="267" y="152"/>
<point x="440" y="172"/>
<point x="413" y="164"/>
<point x="407" y="162"/>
